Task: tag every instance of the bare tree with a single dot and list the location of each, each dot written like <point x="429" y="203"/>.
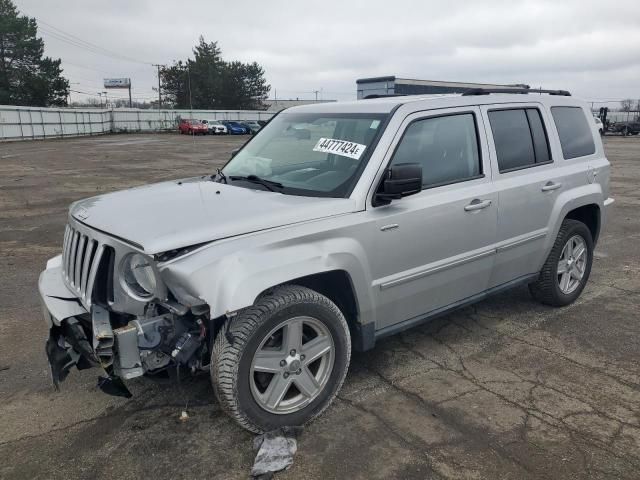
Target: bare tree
<point x="626" y="105"/>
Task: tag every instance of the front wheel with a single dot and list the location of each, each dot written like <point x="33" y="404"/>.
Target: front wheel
<point x="566" y="271"/>
<point x="281" y="361"/>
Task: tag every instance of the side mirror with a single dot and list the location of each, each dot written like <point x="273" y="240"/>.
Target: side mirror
<point x="399" y="181"/>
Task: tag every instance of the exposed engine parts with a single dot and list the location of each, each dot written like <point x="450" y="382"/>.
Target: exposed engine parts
<point x="156" y="341"/>
<point x="127" y="347"/>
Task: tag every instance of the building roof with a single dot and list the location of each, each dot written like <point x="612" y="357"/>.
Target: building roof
<point x="434" y="83"/>
<point x="275" y="105"/>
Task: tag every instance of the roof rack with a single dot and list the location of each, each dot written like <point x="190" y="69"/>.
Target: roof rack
<point x="487" y="91"/>
<point x="383" y="95"/>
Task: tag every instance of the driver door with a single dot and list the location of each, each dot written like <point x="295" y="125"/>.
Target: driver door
<point x="436" y="248"/>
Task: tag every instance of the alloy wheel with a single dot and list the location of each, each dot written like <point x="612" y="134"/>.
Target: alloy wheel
<point x="572" y="264"/>
<point x="292" y="365"/>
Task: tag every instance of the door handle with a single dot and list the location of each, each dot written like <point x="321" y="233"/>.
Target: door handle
<point x="550" y="186"/>
<point x="477" y="204"/>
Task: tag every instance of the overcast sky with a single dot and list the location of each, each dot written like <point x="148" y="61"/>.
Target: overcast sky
<point x="587" y="47"/>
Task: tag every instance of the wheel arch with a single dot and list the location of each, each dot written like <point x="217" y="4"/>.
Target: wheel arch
<point x="582" y="203"/>
<point x="228" y="282"/>
<point x="589" y="215"/>
<point x="337" y="286"/>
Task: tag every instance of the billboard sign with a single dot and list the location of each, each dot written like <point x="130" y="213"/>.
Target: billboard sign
<point x="117" y="83"/>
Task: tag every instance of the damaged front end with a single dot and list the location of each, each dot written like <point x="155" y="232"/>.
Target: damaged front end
<point x="146" y="345"/>
<point x="108" y="308"/>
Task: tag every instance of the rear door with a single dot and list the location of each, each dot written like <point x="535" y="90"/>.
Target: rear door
<point x="435" y="248"/>
<point x="528" y="176"/>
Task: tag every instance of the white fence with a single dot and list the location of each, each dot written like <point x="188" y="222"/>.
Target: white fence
<point x="30" y="123"/>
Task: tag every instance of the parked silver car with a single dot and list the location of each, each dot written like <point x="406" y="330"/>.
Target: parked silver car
<point x="215" y="127"/>
<point x="336" y="225"/>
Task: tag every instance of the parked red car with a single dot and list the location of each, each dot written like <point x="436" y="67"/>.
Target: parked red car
<point x="192" y="127"/>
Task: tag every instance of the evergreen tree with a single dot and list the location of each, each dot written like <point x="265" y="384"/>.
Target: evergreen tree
<point x="26" y="76"/>
<point x="209" y="82"/>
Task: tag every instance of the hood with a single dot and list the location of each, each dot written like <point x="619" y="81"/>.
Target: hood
<point x="181" y="213"/>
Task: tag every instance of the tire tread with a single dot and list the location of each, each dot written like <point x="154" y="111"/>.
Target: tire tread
<point x="544" y="288"/>
<point x="226" y="356"/>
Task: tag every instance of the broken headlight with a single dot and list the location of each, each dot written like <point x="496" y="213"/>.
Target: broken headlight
<point x="138" y="276"/>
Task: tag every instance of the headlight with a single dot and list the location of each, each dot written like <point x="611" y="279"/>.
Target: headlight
<point x="138" y="276"/>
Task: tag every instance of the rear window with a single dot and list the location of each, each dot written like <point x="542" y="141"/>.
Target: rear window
<point x="574" y="132"/>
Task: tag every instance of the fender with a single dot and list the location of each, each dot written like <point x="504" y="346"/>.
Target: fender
<point x="565" y="202"/>
<point x="230" y="275"/>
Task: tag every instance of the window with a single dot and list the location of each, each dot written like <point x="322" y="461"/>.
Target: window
<point x="312" y="154"/>
<point x="540" y="143"/>
<point x="574" y="131"/>
<point x="519" y="137"/>
<point x="446" y="147"/>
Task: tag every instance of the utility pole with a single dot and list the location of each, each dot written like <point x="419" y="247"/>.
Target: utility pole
<point x="159" y="93"/>
<point x="189" y="78"/>
<point x="69" y="93"/>
<point x="316" y="92"/>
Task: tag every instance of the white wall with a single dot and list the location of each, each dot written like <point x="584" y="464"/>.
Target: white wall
<point x="27" y="123"/>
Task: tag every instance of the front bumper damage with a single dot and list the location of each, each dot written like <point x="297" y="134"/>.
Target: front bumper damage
<point x="68" y="344"/>
<point x="58" y="302"/>
<point x="122" y="348"/>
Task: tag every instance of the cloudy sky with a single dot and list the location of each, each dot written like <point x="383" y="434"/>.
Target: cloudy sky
<point x="585" y="46"/>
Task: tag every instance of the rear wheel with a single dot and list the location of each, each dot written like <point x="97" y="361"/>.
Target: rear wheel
<point x="281" y="361"/>
<point x="566" y="271"/>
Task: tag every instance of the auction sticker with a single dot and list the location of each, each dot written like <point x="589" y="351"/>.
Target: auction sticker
<point x="340" y="147"/>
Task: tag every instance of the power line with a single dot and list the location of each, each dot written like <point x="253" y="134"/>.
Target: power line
<point x="85" y="67"/>
<point x="84" y="44"/>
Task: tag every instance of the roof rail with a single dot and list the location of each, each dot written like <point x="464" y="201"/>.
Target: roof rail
<point x="487" y="91"/>
<point x="383" y="95"/>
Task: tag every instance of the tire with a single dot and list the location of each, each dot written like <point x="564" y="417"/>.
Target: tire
<point x="547" y="288"/>
<point x="237" y="385"/>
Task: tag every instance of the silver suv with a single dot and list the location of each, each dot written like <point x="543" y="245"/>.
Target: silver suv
<point x="336" y="225"/>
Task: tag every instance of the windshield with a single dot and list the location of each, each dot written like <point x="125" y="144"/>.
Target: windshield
<point x="308" y="154"/>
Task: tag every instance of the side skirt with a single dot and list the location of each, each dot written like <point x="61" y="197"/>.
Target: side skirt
<point x="439" y="312"/>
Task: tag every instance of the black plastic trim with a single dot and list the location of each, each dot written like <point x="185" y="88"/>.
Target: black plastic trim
<point x="516" y="169"/>
<point x="383" y="95"/>
<point x="412" y="322"/>
<point x="487" y="91"/>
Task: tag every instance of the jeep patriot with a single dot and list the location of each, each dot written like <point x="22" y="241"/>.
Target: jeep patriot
<point x="336" y="225"/>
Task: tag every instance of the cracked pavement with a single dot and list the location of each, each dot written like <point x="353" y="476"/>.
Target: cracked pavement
<point x="507" y="388"/>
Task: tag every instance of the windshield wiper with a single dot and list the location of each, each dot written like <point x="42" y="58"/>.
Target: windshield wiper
<point x="220" y="175"/>
<point x="268" y="184"/>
